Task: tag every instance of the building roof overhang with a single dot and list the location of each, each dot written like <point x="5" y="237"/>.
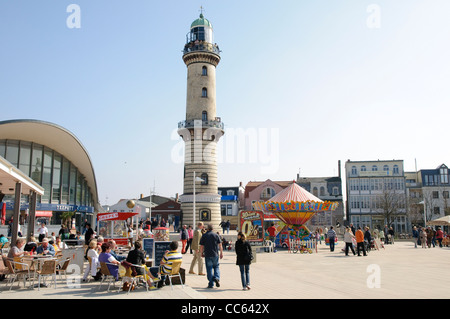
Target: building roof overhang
<point x="58" y="139"/>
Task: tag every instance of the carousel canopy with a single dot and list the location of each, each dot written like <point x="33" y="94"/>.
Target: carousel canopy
<point x="294" y="193"/>
<point x="295" y="205"/>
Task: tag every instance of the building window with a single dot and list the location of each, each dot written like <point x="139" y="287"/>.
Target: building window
<point x="204" y="178"/>
<point x="268" y="192"/>
<point x="315" y="191"/>
<point x="204" y="116"/>
<point x="230" y="193"/>
<point x="436" y="210"/>
<point x="363" y="168"/>
<point x="322" y="191"/>
<point x="354" y="172"/>
<point x="445" y="194"/>
<point x="374" y="168"/>
<point x="435" y="194"/>
<point x="386" y="169"/>
<point x="204" y="71"/>
<point x="204" y="92"/>
<point x="444" y="175"/>
<point x="395" y="170"/>
<point x="335" y="191"/>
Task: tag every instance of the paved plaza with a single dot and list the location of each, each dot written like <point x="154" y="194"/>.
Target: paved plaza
<point x="399" y="271"/>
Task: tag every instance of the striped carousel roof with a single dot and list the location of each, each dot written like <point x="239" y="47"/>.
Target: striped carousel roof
<point x="294" y="193"/>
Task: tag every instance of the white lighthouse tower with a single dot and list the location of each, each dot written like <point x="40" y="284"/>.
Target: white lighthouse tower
<point x="202" y="128"/>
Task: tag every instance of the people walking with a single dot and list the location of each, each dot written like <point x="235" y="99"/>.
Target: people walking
<point x="348" y="240"/>
<point x="423" y="237"/>
<point x="360" y="242"/>
<point x="331" y="235"/>
<point x="190" y="232"/>
<point x="415" y="235"/>
<point x="243" y="259"/>
<point x="211" y="249"/>
<point x="439" y="236"/>
<point x="195" y="245"/>
<point x="184" y="238"/>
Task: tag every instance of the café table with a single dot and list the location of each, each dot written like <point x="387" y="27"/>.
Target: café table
<point x="36" y="263"/>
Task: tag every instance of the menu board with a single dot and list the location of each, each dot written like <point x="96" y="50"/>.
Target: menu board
<point x="148" y="246"/>
<point x="160" y="249"/>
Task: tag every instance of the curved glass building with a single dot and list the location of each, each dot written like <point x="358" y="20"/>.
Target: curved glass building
<point x="55" y="159"/>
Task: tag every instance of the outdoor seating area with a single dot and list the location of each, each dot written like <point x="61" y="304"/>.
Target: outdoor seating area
<point x="32" y="271"/>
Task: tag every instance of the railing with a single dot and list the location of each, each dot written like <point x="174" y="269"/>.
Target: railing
<point x="201" y="46"/>
<point x="201" y="124"/>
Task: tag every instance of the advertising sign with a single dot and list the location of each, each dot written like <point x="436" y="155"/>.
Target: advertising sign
<point x="252" y="225"/>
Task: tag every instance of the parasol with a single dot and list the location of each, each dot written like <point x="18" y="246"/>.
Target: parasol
<point x="445" y="221"/>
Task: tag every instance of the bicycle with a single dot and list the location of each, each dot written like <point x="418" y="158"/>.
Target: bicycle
<point x="301" y="248"/>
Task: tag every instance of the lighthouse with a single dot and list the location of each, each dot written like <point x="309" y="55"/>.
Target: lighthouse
<point x="202" y="129"/>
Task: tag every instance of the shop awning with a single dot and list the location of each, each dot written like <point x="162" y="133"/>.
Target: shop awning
<point x="44" y="213"/>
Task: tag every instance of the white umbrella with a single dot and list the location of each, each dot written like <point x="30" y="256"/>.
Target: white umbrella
<point x="440" y="221"/>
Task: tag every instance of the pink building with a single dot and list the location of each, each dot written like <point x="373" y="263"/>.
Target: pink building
<point x="262" y="191"/>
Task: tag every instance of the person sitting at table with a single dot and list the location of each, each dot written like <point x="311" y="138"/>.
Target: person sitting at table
<point x="106" y="257"/>
<point x="165" y="266"/>
<point x="60" y="244"/>
<point x="45" y="248"/>
<point x="51" y="242"/>
<point x="31" y="246"/>
<point x="17" y="250"/>
<point x="113" y="252"/>
<point x="3" y="240"/>
<point x="93" y="254"/>
<point x="137" y="257"/>
<point x="100" y="242"/>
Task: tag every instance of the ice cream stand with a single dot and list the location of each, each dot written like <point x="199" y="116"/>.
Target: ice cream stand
<point x="294" y="207"/>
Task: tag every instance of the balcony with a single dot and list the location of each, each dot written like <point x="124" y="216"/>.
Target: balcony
<point x="202" y="46"/>
<point x="217" y="123"/>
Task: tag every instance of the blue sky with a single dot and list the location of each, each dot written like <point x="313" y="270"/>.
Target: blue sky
<point x="312" y="73"/>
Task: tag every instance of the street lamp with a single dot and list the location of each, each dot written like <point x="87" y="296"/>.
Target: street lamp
<point x="196" y="179"/>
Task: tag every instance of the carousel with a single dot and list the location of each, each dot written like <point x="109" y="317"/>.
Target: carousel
<point x="295" y="206"/>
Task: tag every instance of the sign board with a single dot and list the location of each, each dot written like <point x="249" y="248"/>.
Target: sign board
<point x="160" y="250"/>
<point x="108" y="216"/>
<point x="148" y="246"/>
<point x="252" y="225"/>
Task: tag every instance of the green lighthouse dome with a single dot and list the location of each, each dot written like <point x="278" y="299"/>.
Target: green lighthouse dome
<point x="201" y="22"/>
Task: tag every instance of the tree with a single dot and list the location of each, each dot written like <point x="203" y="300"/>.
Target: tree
<point x="67" y="218"/>
<point x="391" y="204"/>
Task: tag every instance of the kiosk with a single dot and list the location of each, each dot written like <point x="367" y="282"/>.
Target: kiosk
<point x="114" y="226"/>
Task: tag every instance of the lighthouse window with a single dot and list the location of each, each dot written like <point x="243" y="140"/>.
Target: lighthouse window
<point x="204" y="116"/>
<point x="204" y="71"/>
<point x="204" y="178"/>
<point x="204" y="92"/>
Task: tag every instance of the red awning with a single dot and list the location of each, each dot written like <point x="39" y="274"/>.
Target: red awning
<point x="44" y="213"/>
<point x="115" y="216"/>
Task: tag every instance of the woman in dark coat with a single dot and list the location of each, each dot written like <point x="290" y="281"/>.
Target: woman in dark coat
<point x="243" y="259"/>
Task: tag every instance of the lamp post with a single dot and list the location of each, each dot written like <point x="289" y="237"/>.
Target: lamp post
<point x="196" y="179"/>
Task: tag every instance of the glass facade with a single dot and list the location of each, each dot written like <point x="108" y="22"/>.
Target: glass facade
<point x="61" y="180"/>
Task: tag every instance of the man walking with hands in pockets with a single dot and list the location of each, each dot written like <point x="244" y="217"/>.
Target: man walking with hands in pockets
<point x="195" y="245"/>
<point x="211" y="249"/>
